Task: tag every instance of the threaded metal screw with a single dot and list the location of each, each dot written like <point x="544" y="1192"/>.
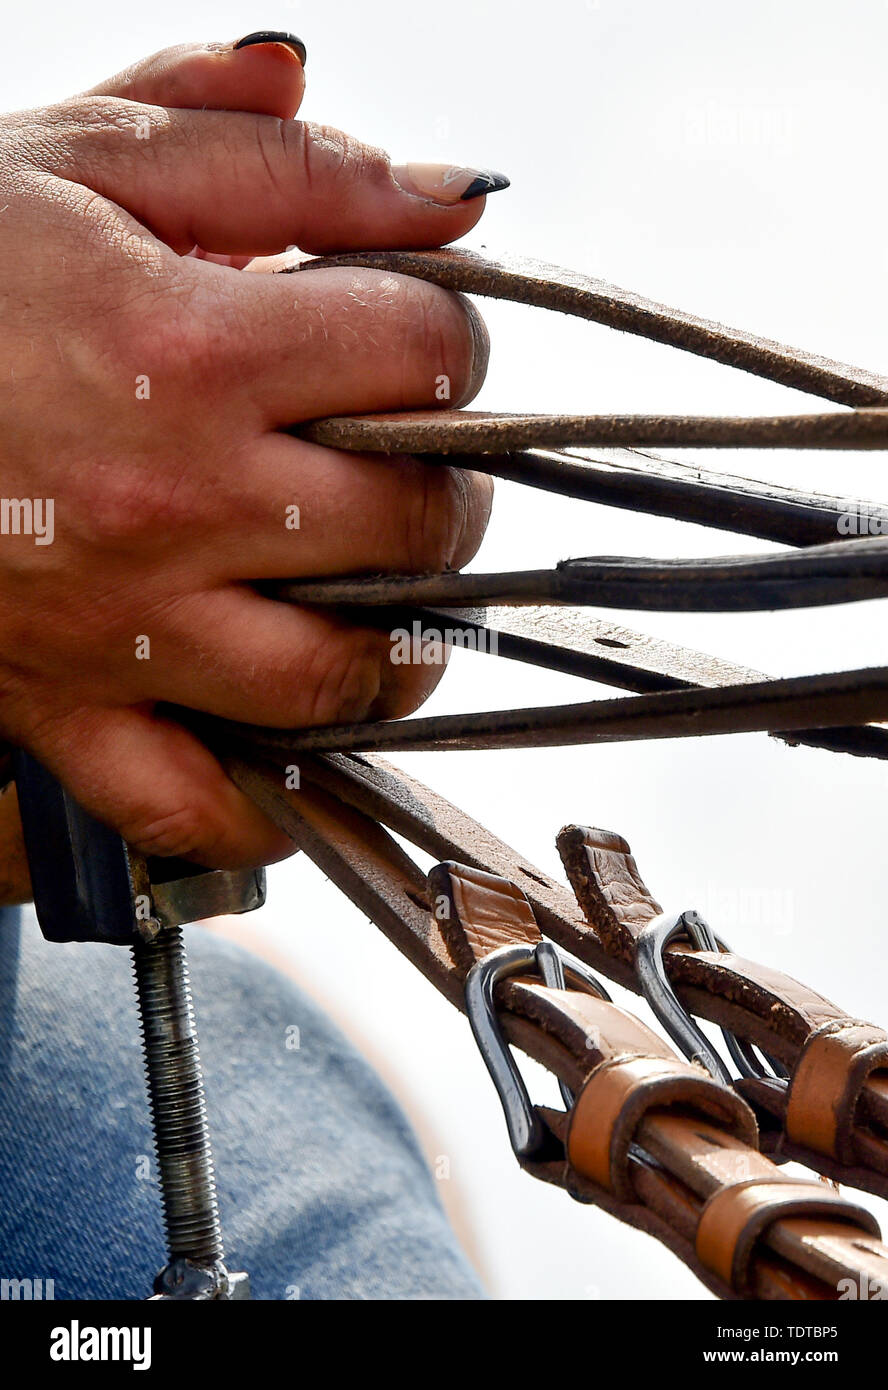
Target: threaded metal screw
<point x="175" y="1092"/>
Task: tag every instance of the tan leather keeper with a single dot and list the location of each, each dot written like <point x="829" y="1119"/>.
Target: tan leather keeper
<point x="826" y="1085"/>
<point x="617" y="1096"/>
<point x="735" y="1218"/>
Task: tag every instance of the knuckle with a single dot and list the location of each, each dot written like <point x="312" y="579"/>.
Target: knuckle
<point x="180" y="831"/>
<point x="134" y="503"/>
<point x="436" y="518"/>
<point x="329" y="162"/>
<point x="429" y="322"/>
<point x="446" y="341"/>
<point x="479" y="503"/>
<point x="176" y="333"/>
<point x="321" y="152"/>
<point x="411" y="687"/>
<point x="346" y="679"/>
<point x="86" y="128"/>
<point x="274" y="144"/>
<point x="92" y="112"/>
<point x="40" y="726"/>
<point x="331" y="152"/>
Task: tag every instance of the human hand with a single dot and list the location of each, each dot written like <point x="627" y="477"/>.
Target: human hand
<point x="145" y="392"/>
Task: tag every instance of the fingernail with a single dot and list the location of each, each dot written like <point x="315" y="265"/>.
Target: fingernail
<point x="447" y="183"/>
<point x="261" y="36"/>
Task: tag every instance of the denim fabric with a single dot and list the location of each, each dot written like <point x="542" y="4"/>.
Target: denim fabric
<point x="322" y="1188"/>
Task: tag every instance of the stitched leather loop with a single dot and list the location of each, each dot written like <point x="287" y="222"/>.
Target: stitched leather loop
<point x="618" y="1095"/>
<point x="735" y="1217"/>
<point x="828" y="1078"/>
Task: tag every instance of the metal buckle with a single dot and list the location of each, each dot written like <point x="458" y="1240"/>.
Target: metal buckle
<point x="682" y="1029"/>
<point x="554" y="965"/>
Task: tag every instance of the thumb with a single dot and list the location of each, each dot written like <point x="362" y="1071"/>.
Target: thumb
<point x="262" y="72"/>
<point x="252" y="185"/>
<point x="158" y="786"/>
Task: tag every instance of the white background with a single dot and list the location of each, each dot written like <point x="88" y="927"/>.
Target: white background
<point x="727" y="159"/>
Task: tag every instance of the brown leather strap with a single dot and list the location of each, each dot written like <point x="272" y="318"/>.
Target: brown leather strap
<point x="798" y="578"/>
<point x="827" y="1082"/>
<point x="758" y="1003"/>
<point x="834" y="1102"/>
<point x="617" y="1096"/>
<point x="608" y="885"/>
<point x="566" y="291"/>
<point x="794" y="702"/>
<point x="643" y="482"/>
<point x="469" y="431"/>
<point x="482" y="913"/>
<point x="735" y="1218"/>
<point x="618" y="903"/>
<point x="636" y="1091"/>
<point x="639" y="1099"/>
<point x="768" y="1008"/>
<point x="678" y="1153"/>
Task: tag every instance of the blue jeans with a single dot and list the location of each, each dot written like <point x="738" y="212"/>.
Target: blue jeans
<point x="323" y="1191"/>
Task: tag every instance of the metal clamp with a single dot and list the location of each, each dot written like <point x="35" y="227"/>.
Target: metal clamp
<point x="555" y="966"/>
<point x="89" y="885"/>
<point x="682" y="1029"/>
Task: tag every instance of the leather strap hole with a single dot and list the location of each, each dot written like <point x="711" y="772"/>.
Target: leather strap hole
<point x="713" y="1140"/>
<point x="869" y="1247"/>
<point x="528" y="873"/>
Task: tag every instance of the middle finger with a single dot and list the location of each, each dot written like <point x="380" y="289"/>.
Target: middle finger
<point x="305" y="510"/>
<point x="343" y="341"/>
